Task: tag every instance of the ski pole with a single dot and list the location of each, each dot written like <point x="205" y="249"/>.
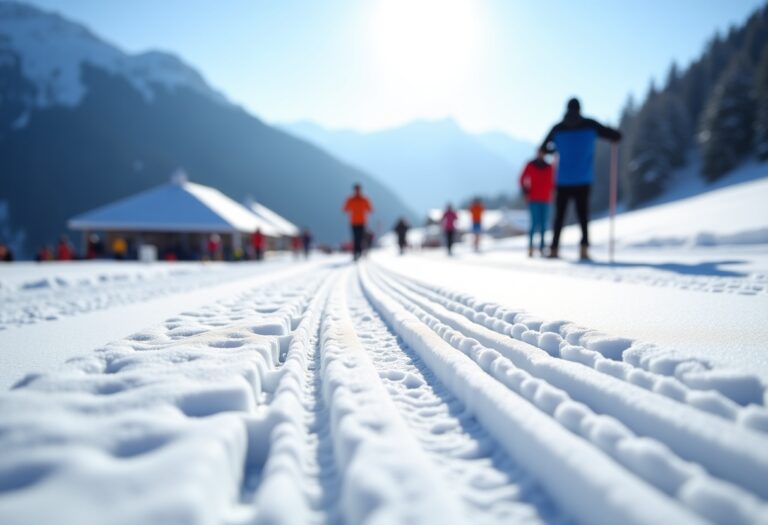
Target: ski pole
<point x="612" y="197"/>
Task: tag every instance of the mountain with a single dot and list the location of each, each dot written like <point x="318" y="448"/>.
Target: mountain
<point x="428" y="162"/>
<point x="83" y="124"/>
<point x="514" y="151"/>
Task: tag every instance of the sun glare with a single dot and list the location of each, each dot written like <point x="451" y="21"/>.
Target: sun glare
<point x="424" y="48"/>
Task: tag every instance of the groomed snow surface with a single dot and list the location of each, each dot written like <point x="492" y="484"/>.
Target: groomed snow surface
<point x="483" y="388"/>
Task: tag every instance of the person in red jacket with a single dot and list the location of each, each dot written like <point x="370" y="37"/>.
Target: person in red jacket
<point x="257" y="241"/>
<point x="64" y="251"/>
<point x="537" y="183"/>
<point x="358" y="207"/>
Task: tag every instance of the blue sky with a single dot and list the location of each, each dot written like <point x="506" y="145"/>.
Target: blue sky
<point x="506" y="65"/>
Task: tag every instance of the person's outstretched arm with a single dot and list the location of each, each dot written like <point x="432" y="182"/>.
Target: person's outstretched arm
<point x="549" y="141"/>
<point x="605" y="132"/>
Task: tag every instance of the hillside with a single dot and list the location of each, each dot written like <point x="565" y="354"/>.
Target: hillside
<point x="83" y="124"/>
<point x="714" y="112"/>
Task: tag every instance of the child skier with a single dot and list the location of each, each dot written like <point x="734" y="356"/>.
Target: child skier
<point x="536" y="183"/>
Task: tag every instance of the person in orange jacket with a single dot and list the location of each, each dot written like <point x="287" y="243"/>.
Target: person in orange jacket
<point x="476" y="210"/>
<point x="358" y="207"/>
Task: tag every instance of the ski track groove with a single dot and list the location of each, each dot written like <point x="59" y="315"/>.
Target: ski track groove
<point x="196" y="379"/>
<point x="493" y="488"/>
<point x="48" y="304"/>
<point x="270" y="383"/>
<point x="300" y="456"/>
<point x="635" y="363"/>
<point x="539" y="389"/>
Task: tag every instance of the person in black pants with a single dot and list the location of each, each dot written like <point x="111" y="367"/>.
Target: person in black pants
<point x="574" y="140"/>
<point x="580" y="195"/>
<point x="358" y="207"/>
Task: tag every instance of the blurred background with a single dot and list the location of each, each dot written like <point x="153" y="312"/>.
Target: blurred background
<point x="424" y="102"/>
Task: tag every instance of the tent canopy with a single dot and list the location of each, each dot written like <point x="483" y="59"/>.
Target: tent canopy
<point x="179" y="206"/>
<point x="281" y="224"/>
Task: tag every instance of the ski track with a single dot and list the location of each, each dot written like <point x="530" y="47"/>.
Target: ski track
<point x="642" y="434"/>
<point x="51" y="299"/>
<point x="739" y="397"/>
<point x="355" y="394"/>
<point x="493" y="488"/>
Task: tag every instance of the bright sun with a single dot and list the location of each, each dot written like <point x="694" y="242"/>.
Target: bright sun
<point x="424" y="48"/>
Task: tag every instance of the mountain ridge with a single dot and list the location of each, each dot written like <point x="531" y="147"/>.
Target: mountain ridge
<point x="435" y="159"/>
<point x="62" y="156"/>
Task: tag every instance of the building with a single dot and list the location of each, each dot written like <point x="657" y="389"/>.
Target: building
<point x="180" y="219"/>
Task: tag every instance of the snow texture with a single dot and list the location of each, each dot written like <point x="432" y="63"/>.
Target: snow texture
<point x="481" y="389"/>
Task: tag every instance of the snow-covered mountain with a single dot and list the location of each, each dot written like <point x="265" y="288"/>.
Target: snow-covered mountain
<point x="52" y="49"/>
<point x="428" y="162"/>
<point x="82" y="124"/>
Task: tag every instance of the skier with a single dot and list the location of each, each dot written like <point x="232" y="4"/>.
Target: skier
<point x="64" y="251"/>
<point x="119" y="248"/>
<point x="574" y="140"/>
<point x="536" y="183"/>
<point x="306" y="241"/>
<point x="6" y="255"/>
<point x="358" y="207"/>
<point x="214" y="247"/>
<point x="257" y="241"/>
<point x="95" y="247"/>
<point x="296" y="246"/>
<point x="476" y="210"/>
<point x="401" y="229"/>
<point x="45" y="253"/>
<point x="449" y="227"/>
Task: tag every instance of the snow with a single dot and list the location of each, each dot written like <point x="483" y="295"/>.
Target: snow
<point x="176" y="206"/>
<point x="481" y="388"/>
<point x="53" y="50"/>
<point x="279" y="223"/>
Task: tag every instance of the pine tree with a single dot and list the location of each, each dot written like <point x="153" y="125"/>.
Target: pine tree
<point x="649" y="163"/>
<point x="727" y="127"/>
<point x="761" y="100"/>
<point x="679" y="132"/>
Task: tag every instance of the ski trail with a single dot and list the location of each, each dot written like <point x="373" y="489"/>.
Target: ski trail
<point x="300" y="456"/>
<point x="195" y="386"/>
<point x="687" y="380"/>
<point x="610" y="412"/>
<point x="494" y="489"/>
<point x="48" y="301"/>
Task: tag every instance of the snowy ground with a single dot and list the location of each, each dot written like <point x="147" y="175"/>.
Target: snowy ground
<point x="486" y="388"/>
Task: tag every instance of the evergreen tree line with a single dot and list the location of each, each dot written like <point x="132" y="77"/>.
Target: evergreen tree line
<point x="717" y="106"/>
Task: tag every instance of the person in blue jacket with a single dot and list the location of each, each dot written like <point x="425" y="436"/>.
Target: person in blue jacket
<point x="574" y="140"/>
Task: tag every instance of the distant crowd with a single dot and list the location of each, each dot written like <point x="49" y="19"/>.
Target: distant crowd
<point x="566" y="178"/>
<point x="573" y="141"/>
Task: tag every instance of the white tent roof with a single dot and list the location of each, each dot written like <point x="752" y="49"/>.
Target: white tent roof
<point x="179" y="206"/>
<point x="280" y="223"/>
